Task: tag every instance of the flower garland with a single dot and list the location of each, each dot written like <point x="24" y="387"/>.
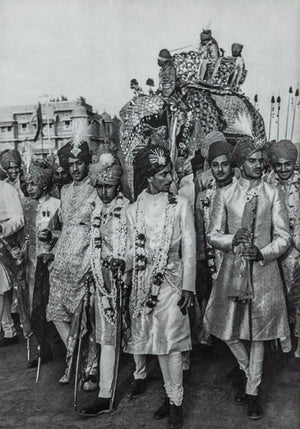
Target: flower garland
<point x="117" y="215"/>
<point x="206" y="205"/>
<point x="144" y="295"/>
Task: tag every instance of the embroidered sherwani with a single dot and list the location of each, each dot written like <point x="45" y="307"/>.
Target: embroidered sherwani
<point x="229" y="320"/>
<point x="164" y="329"/>
<point x="109" y="231"/>
<point x="291" y="191"/>
<point x="72" y="251"/>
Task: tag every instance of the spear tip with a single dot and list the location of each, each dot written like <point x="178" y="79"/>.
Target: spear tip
<point x="278" y="99"/>
<point x="297" y="92"/>
<point x="273" y="99"/>
<point x="291" y="90"/>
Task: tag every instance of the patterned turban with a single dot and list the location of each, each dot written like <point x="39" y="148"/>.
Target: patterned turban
<point x="219" y="148"/>
<point x="245" y="147"/>
<point x="40" y="174"/>
<point x="209" y="139"/>
<point x="147" y="162"/>
<point x="9" y="156"/>
<point x="282" y="149"/>
<point x="107" y="170"/>
<point x="66" y="152"/>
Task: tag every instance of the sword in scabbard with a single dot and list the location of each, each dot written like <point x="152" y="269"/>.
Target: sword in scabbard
<point x="118" y="281"/>
<point x="38" y="370"/>
<point x="250" y="263"/>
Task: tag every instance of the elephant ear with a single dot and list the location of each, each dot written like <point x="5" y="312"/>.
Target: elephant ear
<point x="243" y="124"/>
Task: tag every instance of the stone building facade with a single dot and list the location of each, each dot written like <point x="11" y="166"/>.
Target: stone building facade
<point x="18" y="126"/>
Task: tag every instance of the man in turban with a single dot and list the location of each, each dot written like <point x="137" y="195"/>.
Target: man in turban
<point x="163" y="278"/>
<point x="236" y="50"/>
<point x="39" y="208"/>
<point x="167" y="73"/>
<point x="107" y="261"/>
<point x="11" y="222"/>
<point x="249" y="225"/>
<point x="209" y="259"/>
<point x="209" y="52"/>
<point x="11" y="161"/>
<point x="282" y="157"/>
<point x="71" y="256"/>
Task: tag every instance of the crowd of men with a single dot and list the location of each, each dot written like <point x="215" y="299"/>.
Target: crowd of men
<point x="217" y="235"/>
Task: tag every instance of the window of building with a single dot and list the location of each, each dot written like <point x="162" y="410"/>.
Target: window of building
<point x="8" y="128"/>
<point x="3" y="129"/>
<point x="67" y="124"/>
<point x="24" y="126"/>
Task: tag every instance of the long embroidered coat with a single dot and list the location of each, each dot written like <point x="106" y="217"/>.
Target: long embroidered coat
<point x="229" y="320"/>
<point x="291" y="191"/>
<point x="111" y="219"/>
<point x="165" y="328"/>
<point x="72" y="251"/>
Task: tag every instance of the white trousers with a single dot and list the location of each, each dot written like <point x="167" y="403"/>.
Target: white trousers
<point x="140" y="372"/>
<point x="171" y="368"/>
<point x="63" y="328"/>
<point x="107" y="362"/>
<point x="6" y="319"/>
<point x="251" y="364"/>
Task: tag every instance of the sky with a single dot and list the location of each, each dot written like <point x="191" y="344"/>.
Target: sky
<point x="92" y="48"/>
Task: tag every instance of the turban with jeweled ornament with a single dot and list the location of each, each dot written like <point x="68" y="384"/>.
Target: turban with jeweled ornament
<point x="8" y="156"/>
<point x="282" y="149"/>
<point x="244" y="148"/>
<point x="40" y="174"/>
<point x="147" y="162"/>
<point x="67" y="151"/>
<point x="107" y="170"/>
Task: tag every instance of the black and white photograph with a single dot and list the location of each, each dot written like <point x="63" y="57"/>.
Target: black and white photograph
<point x="149" y="214"/>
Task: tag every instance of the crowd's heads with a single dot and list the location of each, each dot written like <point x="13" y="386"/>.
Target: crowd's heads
<point x="75" y="162"/>
<point x="38" y="179"/>
<point x="11" y="162"/>
<point x="163" y="56"/>
<point x="205" y="36"/>
<point x="236" y="49"/>
<point x="282" y="156"/>
<point x="149" y="161"/>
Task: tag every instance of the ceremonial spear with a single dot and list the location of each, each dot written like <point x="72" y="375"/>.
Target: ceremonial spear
<point x="288" y="111"/>
<point x="294" y="113"/>
<point x="271" y="115"/>
<point x="278" y="115"/>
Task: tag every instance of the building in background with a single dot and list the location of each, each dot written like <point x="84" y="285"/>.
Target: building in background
<point x="18" y="125"/>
